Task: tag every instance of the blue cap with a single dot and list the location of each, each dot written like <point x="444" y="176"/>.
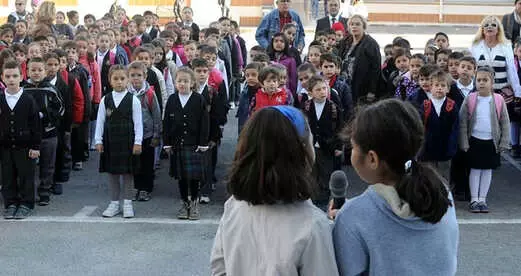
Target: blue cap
<point x="295" y="117"/>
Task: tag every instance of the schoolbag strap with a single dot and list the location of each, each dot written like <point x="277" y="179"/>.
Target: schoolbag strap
<point x="498" y="100"/>
<point x="473" y="97"/>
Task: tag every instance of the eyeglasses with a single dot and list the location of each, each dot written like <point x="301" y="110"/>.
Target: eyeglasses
<point x="490" y="25"/>
<point x="136" y="75"/>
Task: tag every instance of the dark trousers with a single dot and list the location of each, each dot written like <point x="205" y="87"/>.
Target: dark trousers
<point x="46" y="164"/>
<point x="63" y="158"/>
<point x="18" y="177"/>
<point x="193" y="185"/>
<point x="206" y="187"/>
<point x="324" y="162"/>
<point x="235" y="89"/>
<point x="144" y="177"/>
<point x="459" y="175"/>
<point x="77" y="143"/>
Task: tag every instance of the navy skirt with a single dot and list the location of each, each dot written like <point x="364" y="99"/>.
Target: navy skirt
<point x="482" y="154"/>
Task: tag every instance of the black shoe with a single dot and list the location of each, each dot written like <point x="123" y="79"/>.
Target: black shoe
<point x="23" y="212"/>
<point x="57" y="189"/>
<point x="44" y="200"/>
<point x="516" y="151"/>
<point x="10" y="211"/>
<point x="144" y="196"/>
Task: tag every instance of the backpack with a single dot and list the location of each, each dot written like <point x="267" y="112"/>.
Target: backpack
<point x="473" y="99"/>
<point x="427" y="107"/>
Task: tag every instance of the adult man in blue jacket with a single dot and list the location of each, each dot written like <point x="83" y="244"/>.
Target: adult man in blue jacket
<point x="273" y="23"/>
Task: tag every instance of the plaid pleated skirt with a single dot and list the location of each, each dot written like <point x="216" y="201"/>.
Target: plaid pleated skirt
<point x="187" y="164"/>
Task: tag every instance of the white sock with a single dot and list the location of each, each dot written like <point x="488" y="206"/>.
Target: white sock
<point x="127" y="202"/>
<point x="484" y="184"/>
<point x="115" y="202"/>
<point x="474" y="178"/>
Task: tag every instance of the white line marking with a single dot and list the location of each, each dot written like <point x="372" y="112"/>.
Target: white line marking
<point x="489" y="221"/>
<point x="120" y="220"/>
<point x="85" y="211"/>
<point x="206" y="222"/>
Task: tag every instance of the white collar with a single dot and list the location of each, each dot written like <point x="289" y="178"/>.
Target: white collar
<point x="17" y="95"/>
<point x="469" y="87"/>
<point x="115" y="49"/>
<point x="201" y="88"/>
<point x="53" y="80"/>
<point x="102" y="54"/>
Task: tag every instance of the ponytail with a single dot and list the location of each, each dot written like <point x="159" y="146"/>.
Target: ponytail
<point x="425" y="191"/>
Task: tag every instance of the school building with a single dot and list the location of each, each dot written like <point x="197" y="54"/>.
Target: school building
<point x="250" y="12"/>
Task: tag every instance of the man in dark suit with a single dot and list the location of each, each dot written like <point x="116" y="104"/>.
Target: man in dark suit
<point x="324" y="24"/>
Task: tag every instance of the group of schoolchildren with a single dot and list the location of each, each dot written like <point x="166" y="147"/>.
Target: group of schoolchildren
<point x="135" y="94"/>
<point x="466" y="122"/>
<point x="125" y="89"/>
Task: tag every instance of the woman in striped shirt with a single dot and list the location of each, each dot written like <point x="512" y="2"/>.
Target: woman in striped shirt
<point x="491" y="48"/>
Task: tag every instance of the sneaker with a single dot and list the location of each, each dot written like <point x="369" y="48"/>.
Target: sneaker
<point x="78" y="166"/>
<point x="204" y="199"/>
<point x="44" y="200"/>
<point x="10" y="211"/>
<point x="112" y="210"/>
<point x="194" y="210"/>
<point x="22" y="212"/>
<point x="57" y="189"/>
<point x="474" y="207"/>
<point x="516" y="151"/>
<point x="128" y="210"/>
<point x="184" y="210"/>
<point x="144" y="196"/>
<point x="483" y="207"/>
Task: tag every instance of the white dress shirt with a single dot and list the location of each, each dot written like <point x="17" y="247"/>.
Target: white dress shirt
<point x="12" y="99"/>
<point x="483" y="127"/>
<point x="336" y="18"/>
<point x="438" y="103"/>
<point x="137" y="117"/>
<point x="101" y="57"/>
<point x="184" y="98"/>
<point x="319" y="107"/>
<point x="465" y="89"/>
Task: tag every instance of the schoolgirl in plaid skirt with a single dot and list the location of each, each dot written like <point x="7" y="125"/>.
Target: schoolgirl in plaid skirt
<point x="186" y="130"/>
<point x="118" y="138"/>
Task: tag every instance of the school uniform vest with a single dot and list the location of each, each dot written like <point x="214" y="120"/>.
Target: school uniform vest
<point x="20" y="126"/>
<point x="118" y="137"/>
<point x="441" y="132"/>
<point x="325" y="128"/>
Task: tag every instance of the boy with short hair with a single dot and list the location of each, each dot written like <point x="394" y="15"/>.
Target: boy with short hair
<point x="190" y="48"/>
<point x="209" y="53"/>
<point x="21" y="35"/>
<point x="454" y="59"/>
<point x="20" y="144"/>
<point x="169" y="38"/>
<point x="271" y="93"/>
<point x="330" y="64"/>
<point x="188" y="14"/>
<point x="106" y="57"/>
<point x="154" y="76"/>
<point x="325" y="123"/>
<point x="441" y="120"/>
<point x="141" y="28"/>
<point x="460" y="170"/>
<point x="424" y="92"/>
<point x="442" y="40"/>
<point x="79" y="135"/>
<point x="442" y="59"/>
<point x="150" y="29"/>
<point x="43" y="42"/>
<point x="7" y="32"/>
<point x="34" y="50"/>
<point x="73" y="103"/>
<point x="89" y="20"/>
<point x="51" y="111"/>
<point x="256" y="50"/>
<point x="212" y="87"/>
<point x="20" y="12"/>
<point x="251" y="74"/>
<point x="144" y="177"/>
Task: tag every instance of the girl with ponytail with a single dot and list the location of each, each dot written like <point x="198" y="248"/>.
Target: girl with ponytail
<point x="405" y="222"/>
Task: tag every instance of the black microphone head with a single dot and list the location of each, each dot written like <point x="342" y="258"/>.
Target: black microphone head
<point x="338" y="184"/>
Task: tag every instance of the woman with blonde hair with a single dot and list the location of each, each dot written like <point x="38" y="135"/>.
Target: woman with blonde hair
<point x="490" y="47"/>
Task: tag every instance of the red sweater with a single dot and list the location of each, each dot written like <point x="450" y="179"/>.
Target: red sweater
<point x="93" y="69"/>
<point x="78" y="107"/>
<point x="263" y="99"/>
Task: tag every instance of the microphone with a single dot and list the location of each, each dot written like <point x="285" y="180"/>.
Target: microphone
<point x="338" y="186"/>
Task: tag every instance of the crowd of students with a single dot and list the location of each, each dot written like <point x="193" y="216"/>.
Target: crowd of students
<point x="79" y="75"/>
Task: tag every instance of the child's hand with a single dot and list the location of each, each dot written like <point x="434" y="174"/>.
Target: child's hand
<point x="136" y="150"/>
<point x="155" y="142"/>
<point x="33" y="154"/>
<point x="331" y="213"/>
<point x="338" y="152"/>
<point x="99" y="148"/>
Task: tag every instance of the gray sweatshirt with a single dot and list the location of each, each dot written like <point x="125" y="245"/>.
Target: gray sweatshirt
<point x="152" y="126"/>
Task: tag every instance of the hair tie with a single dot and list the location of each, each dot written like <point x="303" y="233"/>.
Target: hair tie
<point x="294" y="116"/>
<point x="408" y="166"/>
